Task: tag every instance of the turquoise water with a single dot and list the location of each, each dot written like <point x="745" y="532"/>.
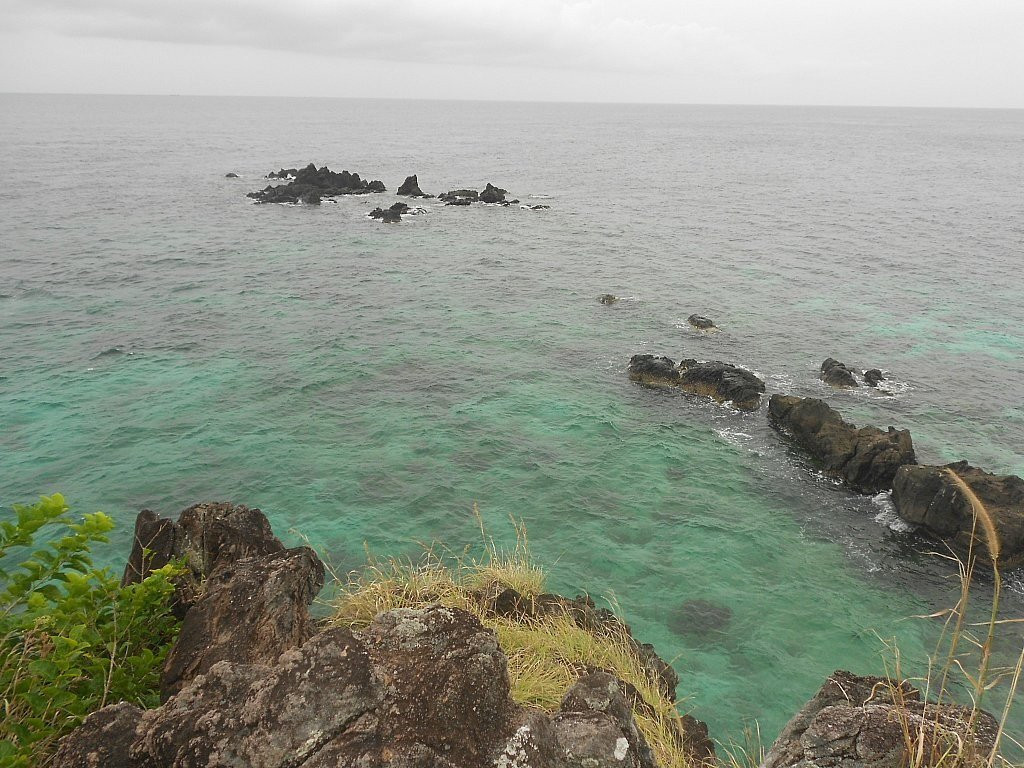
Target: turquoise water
<point x="163" y="342"/>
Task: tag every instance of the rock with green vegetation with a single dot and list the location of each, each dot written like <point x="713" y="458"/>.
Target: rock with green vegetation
<point x="932" y="497"/>
<point x="868" y="722"/>
<point x="865" y="459"/>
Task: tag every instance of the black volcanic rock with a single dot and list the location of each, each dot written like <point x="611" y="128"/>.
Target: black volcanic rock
<point x="492" y="194"/>
<point x="411" y="188"/>
<point x="722" y="382"/>
<point x="930" y="497"/>
<point x="608" y="299"/>
<point x="873" y="377"/>
<point x="309" y="184"/>
<point x="837" y="374"/>
<point x="866" y="459"/>
<point x="391" y="215"/>
<point x="701" y="323"/>
<point x="230" y="175"/>
<point x="459" y="196"/>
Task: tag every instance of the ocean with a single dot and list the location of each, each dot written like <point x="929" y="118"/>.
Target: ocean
<point x="164" y="341"/>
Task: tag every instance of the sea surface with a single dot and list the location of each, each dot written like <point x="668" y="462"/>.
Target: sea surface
<point x="165" y="341"/>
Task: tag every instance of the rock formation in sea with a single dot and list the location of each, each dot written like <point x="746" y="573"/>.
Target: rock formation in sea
<point x="872" y="722"/>
<point x="837" y="374"/>
<point x="701" y="323"/>
<point x="931" y="497"/>
<point x="230" y="175"/>
<point x="873" y="377"/>
<point x="312" y="182"/>
<point x="865" y="459"/>
<point x="490" y="194"/>
<point x="722" y="382"/>
<point x="254" y="681"/>
<point x="608" y="298"/>
<point x="411" y="188"/>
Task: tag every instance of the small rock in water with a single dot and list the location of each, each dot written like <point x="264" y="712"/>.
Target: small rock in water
<point x="230" y="175"/>
<point x="837" y="374"/>
<point x="411" y="188"/>
<point x="607" y="298"/>
<point x="392" y="215"/>
<point x="700" y="322"/>
<point x="493" y="194"/>
<point x="872" y="377"/>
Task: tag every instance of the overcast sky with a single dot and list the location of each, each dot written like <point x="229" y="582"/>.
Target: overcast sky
<point x="877" y="52"/>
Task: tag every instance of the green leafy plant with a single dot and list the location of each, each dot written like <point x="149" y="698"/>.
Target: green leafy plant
<point x="72" y="639"/>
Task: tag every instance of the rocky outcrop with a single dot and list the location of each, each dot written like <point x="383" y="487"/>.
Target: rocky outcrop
<point x="251" y="682"/>
<point x="230" y="175"/>
<point x="837" y="374"/>
<point x="868" y="722"/>
<point x="411" y="188"/>
<point x="701" y="323"/>
<point x="873" y="377"/>
<point x="310" y="184"/>
<point x="865" y="459"/>
<point x="607" y="299"/>
<point x="492" y="194"/>
<point x="931" y="497"/>
<point x="722" y="382"/>
<point x="459" y="196"/>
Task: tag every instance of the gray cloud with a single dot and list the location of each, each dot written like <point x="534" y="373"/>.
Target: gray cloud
<point x="587" y="34"/>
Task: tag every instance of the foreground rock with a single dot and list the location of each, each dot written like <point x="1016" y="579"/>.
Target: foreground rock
<point x="310" y="184"/>
<point x="701" y="323"/>
<point x="866" y="459"/>
<point x="411" y="188"/>
<point x="837" y="374"/>
<point x="722" y="382"/>
<point x="866" y="722"/>
<point x="254" y="685"/>
<point x="930" y="497"/>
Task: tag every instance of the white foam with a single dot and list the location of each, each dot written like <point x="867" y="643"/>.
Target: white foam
<point x="887" y="515"/>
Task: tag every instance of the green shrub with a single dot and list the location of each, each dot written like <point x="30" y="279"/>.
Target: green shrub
<point x="72" y="640"/>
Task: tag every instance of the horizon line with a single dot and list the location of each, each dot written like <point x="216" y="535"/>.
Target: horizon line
<point x="514" y="101"/>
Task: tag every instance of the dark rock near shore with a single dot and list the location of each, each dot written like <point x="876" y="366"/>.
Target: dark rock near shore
<point x="722" y="382"/>
<point x="873" y="377"/>
<point x="866" y="459"/>
<point x="868" y="722"/>
<point x="837" y="374"/>
<point x="391" y="215"/>
<point x="608" y="299"/>
<point x="411" y="188"/>
<point x="459" y="196"/>
<point x="930" y="497"/>
<point x="311" y="183"/>
<point x="492" y="194"/>
<point x="701" y="323"/>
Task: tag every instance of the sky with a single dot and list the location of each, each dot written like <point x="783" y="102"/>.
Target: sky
<point x="945" y="53"/>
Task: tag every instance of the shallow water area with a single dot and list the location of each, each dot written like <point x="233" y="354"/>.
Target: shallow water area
<point x="165" y="341"/>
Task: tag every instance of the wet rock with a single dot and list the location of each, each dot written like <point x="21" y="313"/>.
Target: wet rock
<point x="310" y="198"/>
<point x="873" y="377"/>
<point x="653" y="370"/>
<point x="411" y="188"/>
<point x="864" y="722"/>
<point x="536" y="207"/>
<point x="722" y="382"/>
<point x="837" y="374"/>
<point x="251" y="611"/>
<point x="312" y="181"/>
<point x="230" y="175"/>
<point x="104" y="740"/>
<point x="608" y="299"/>
<point x="930" y="497"/>
<point x="492" y="194"/>
<point x="391" y="215"/>
<point x="866" y="459"/>
<point x="701" y="323"/>
<point x="459" y="196"/>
